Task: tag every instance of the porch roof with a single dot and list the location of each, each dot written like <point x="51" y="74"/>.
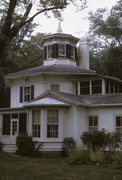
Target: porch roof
<point x="46" y="101"/>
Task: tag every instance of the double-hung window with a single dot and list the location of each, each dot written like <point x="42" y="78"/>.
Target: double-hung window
<point x="6" y="124"/>
<point x="52" y="124"/>
<point x="50" y="51"/>
<point x="26" y="93"/>
<point x="119" y="124"/>
<point x="62" y="50"/>
<point x="93" y="123"/>
<point x="36" y="123"/>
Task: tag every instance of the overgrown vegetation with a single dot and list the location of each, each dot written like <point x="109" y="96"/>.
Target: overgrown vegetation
<point x="25" y="145"/>
<point x="1" y="147"/>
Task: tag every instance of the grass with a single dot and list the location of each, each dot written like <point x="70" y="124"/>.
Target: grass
<point x="14" y="167"/>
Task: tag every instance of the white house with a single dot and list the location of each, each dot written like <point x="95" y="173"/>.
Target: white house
<point x="60" y="99"/>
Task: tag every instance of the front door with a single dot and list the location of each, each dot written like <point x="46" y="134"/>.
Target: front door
<point x="14" y="130"/>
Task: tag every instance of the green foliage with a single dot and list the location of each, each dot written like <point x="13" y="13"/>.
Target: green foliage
<point x="25" y="145"/>
<point x="106" y="30"/>
<point x="97" y="158"/>
<point x="77" y="156"/>
<point x="94" y="140"/>
<point x="100" y="140"/>
<point x="117" y="160"/>
<point x="69" y="144"/>
<point x="1" y="146"/>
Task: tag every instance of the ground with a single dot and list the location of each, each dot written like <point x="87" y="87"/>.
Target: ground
<point x="14" y="167"/>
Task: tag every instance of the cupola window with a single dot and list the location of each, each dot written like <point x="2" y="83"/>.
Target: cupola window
<point x="72" y="52"/>
<point x="50" y="51"/>
<point x="62" y="50"/>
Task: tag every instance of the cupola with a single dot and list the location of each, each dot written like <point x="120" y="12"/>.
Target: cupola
<point x="59" y="48"/>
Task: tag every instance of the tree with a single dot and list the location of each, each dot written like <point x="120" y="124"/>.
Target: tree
<point x="13" y="22"/>
<point x="106" y="28"/>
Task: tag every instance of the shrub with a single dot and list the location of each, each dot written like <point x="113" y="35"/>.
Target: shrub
<point x="69" y="144"/>
<point x="114" y="141"/>
<point x="1" y="146"/>
<point x="95" y="140"/>
<point x="79" y="156"/>
<point x="25" y="145"/>
<point x="97" y="158"/>
<point x="117" y="160"/>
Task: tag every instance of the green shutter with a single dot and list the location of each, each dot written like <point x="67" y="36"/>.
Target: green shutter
<point x="6" y="124"/>
<point x="68" y="51"/>
<point x="32" y="92"/>
<point x="21" y="94"/>
<point x="45" y="53"/>
<point x="22" y="123"/>
<point x="55" y="50"/>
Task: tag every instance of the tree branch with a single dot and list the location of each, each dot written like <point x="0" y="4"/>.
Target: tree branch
<point x="8" y="20"/>
<point x="16" y="29"/>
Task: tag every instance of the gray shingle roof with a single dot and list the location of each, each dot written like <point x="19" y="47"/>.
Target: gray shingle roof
<point x="85" y="100"/>
<point x="51" y="69"/>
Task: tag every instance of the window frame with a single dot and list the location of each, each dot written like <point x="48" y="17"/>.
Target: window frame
<point x="36" y="126"/>
<point x="52" y="87"/>
<point x="52" y="127"/>
<point x="119" y="127"/>
<point x="93" y="126"/>
<point x="50" y="51"/>
<point x="62" y="51"/>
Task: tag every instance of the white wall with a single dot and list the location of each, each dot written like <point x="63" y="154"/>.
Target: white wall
<point x="40" y="86"/>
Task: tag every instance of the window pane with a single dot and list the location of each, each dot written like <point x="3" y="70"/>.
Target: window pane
<point x="6" y="125"/>
<point x="62" y="50"/>
<point x="26" y="94"/>
<point x="119" y="124"/>
<point x="93" y="123"/>
<point x="97" y="87"/>
<point x="52" y="123"/>
<point x="107" y="86"/>
<point x="55" y="87"/>
<point x="36" y="123"/>
<point x="50" y="51"/>
<point x="85" y="87"/>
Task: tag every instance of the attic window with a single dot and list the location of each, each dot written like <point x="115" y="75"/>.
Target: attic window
<point x="55" y="87"/>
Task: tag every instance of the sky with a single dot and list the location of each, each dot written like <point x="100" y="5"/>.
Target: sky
<point x="74" y="23"/>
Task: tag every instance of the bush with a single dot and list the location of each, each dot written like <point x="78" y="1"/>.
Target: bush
<point x="95" y="140"/>
<point x="78" y="156"/>
<point x="1" y="146"/>
<point x="69" y="144"/>
<point x="117" y="160"/>
<point x="97" y="158"/>
<point x="25" y="145"/>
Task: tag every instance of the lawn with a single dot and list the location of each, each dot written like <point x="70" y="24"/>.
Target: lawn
<point x="14" y="167"/>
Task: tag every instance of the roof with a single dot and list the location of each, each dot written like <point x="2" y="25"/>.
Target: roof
<point x="58" y="98"/>
<point x="47" y="101"/>
<point x="51" y="69"/>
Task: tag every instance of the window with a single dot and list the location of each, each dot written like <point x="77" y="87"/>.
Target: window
<point x="36" y="123"/>
<point x="52" y="123"/>
<point x="55" y="87"/>
<point x="85" y="87"/>
<point x="119" y="124"/>
<point x="6" y="124"/>
<point x="93" y="123"/>
<point x="50" y="51"/>
<point x="97" y="87"/>
<point x="26" y="93"/>
<point x="62" y="50"/>
<point x="107" y="86"/>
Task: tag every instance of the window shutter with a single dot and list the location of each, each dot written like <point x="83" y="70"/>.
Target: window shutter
<point x="55" y="50"/>
<point x="45" y="53"/>
<point x="68" y="51"/>
<point x="21" y="94"/>
<point x="22" y="123"/>
<point x="76" y="58"/>
<point x="32" y="92"/>
<point x="6" y="124"/>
